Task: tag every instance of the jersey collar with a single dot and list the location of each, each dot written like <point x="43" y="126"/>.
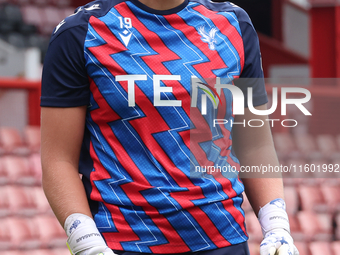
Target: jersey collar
<point x="165" y="12"/>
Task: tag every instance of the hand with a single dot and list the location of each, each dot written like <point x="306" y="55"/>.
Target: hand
<point x="84" y="237"/>
<point x="274" y="222"/>
<point x="278" y="242"/>
<point x="99" y="250"/>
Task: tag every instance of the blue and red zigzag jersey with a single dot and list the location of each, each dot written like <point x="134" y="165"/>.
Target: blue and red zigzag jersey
<point x="112" y="56"/>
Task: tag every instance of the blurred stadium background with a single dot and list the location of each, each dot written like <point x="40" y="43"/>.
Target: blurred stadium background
<point x="300" y="41"/>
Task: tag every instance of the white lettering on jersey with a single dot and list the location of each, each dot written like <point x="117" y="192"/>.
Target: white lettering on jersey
<point x="131" y="85"/>
<point x="157" y="89"/>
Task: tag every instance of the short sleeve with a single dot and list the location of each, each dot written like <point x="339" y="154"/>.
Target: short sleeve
<point x="252" y="73"/>
<point x="64" y="80"/>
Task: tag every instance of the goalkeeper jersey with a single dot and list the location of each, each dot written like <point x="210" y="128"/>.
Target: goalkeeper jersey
<point x="134" y="67"/>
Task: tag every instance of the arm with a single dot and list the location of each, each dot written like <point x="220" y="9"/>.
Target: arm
<point x="253" y="147"/>
<point x="62" y="132"/>
<point x="65" y="94"/>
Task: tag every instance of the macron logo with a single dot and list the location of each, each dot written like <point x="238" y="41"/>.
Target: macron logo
<point x="232" y="4"/>
<point x="59" y="25"/>
<point x="93" y="7"/>
<point x="126" y="37"/>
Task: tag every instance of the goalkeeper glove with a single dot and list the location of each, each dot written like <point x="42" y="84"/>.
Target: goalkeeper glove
<point x="84" y="237"/>
<point x="276" y="231"/>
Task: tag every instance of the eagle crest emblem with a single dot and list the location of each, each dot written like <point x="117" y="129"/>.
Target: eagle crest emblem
<point x="208" y="37"/>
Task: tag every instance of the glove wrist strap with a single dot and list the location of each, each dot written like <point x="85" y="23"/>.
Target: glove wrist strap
<point x="274" y="216"/>
<point x="82" y="233"/>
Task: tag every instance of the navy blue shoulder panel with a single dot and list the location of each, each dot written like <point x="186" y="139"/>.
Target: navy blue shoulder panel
<point x="82" y="15"/>
<point x="241" y="14"/>
<point x="64" y="81"/>
<point x="224" y="7"/>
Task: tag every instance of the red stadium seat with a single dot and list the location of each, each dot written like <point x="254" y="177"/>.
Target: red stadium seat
<point x="319" y="175"/>
<point x="295" y="228"/>
<point x="40" y="2"/>
<point x="63" y="14"/>
<point x="50" y="231"/>
<point x="22" y="233"/>
<point x="326" y="224"/>
<point x="337" y="230"/>
<point x="22" y="2"/>
<point x="285" y="145"/>
<point x="327" y="146"/>
<point x="52" y="15"/>
<point x="20" y="200"/>
<point x="40" y="252"/>
<point x="52" y="18"/>
<point x="292" y="199"/>
<point x="15" y="252"/>
<point x="337" y="140"/>
<point x="335" y="246"/>
<point x="335" y="163"/>
<point x="60" y="251"/>
<point x="40" y="201"/>
<point x="5" y="239"/>
<point x="296" y="175"/>
<point x="32" y="138"/>
<point x="317" y="248"/>
<point x="33" y="15"/>
<point x="331" y="197"/>
<point x="2" y="150"/>
<point x="11" y="141"/>
<point x="316" y="227"/>
<point x="4" y="203"/>
<point x="10" y="138"/>
<point x="302" y="247"/>
<point x="62" y="3"/>
<point x="18" y="170"/>
<point x="311" y="199"/>
<point x="3" y="174"/>
<point x="35" y="166"/>
<point x="66" y="11"/>
<point x="307" y="145"/>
